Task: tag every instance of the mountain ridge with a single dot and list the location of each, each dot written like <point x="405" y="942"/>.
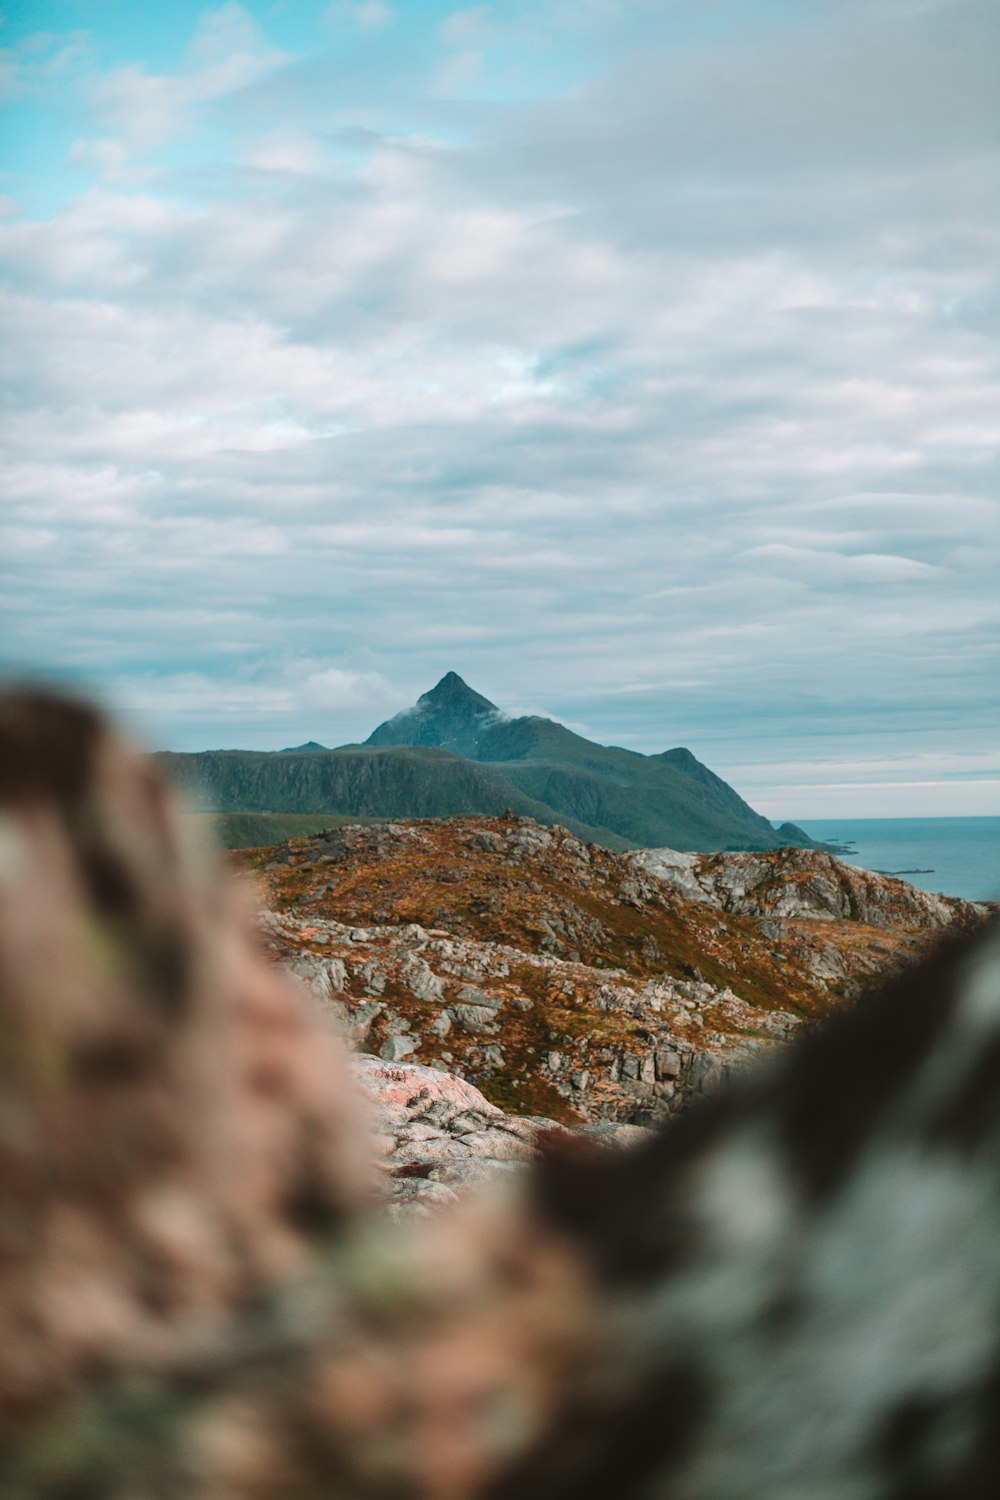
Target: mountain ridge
<point x="667" y="799"/>
<point x="455" y="753"/>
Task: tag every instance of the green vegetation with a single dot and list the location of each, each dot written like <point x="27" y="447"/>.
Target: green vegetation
<point x="360" y="783"/>
<point x="455" y="754"/>
<point x="649" y="801"/>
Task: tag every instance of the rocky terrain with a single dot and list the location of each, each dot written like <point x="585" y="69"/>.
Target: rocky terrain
<point x="570" y="984"/>
<point x="436" y="1135"/>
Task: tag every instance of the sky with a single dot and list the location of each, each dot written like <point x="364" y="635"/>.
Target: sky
<point x="636" y="359"/>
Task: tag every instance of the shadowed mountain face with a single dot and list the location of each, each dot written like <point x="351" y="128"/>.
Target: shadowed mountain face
<point x="650" y="800"/>
<point x="452" y="716"/>
<point x="454" y="752"/>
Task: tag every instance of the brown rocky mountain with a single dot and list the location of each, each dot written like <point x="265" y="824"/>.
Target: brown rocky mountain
<point x="570" y="982"/>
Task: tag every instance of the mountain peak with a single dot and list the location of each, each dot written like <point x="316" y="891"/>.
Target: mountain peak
<point x="666" y="800"/>
<point x="310" y="745"/>
<point x="456" y="692"/>
<point x="451" y="715"/>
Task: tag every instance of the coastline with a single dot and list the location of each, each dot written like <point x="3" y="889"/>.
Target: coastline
<point x="948" y="856"/>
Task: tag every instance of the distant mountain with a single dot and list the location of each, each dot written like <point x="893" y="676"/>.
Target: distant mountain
<point x="359" y="781"/>
<point x="300" y="749"/>
<point x="455" y="753"/>
<point x="670" y="799"/>
<point x="452" y="716"/>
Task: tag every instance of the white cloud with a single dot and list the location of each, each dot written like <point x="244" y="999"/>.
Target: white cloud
<point x="283" y="150"/>
<point x="314" y="699"/>
<point x="146" y="110"/>
<point x="674" y="417"/>
<point x="41" y="65"/>
<point x="110" y="159"/>
<point x="870" y="567"/>
<point x="368" y="14"/>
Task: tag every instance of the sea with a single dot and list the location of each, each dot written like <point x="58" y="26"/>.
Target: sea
<point x="952" y="856"/>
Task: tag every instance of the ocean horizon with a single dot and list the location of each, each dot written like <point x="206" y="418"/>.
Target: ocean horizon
<point x="950" y="856"/>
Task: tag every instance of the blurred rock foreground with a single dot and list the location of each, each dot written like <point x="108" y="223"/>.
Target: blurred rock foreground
<point x="201" y="1294"/>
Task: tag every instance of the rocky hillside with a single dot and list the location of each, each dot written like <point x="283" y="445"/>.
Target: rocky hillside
<point x="789" y="893"/>
<point x="571" y="982"/>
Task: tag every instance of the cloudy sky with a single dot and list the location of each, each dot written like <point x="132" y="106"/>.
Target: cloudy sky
<point x="636" y="359"/>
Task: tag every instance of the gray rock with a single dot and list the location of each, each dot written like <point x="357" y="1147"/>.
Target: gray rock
<point x="395" y="1048"/>
<point x="497" y="1145"/>
<point x="705" y="1072"/>
<point x="420" y="979"/>
<point x="467" y="1121"/>
<point x="360" y="1018"/>
<point x="676" y="869"/>
<point x="418" y="1130"/>
<point x="373" y="977"/>
<point x="415" y="934"/>
<point x="613" y="1133"/>
<point x="471" y="994"/>
<point x="335" y="975"/>
<point x="473" y="1018"/>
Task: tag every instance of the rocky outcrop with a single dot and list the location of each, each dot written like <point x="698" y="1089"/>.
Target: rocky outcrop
<point x="569" y="982"/>
<point x="437" y="1136"/>
<point x="844" y="925"/>
<point x="795" y="883"/>
<point x="541" y="1035"/>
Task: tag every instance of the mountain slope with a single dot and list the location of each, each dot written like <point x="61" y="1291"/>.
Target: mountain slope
<point x="359" y="781"/>
<point x="455" y="753"/>
<point x="666" y="799"/>
<point x="452" y="716"/>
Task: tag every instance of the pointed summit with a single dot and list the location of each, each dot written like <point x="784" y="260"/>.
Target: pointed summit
<point x="456" y="693"/>
<point x="670" y="800"/>
<point x="451" y="715"/>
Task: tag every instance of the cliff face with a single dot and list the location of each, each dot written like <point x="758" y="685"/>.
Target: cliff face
<point x="571" y="982"/>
